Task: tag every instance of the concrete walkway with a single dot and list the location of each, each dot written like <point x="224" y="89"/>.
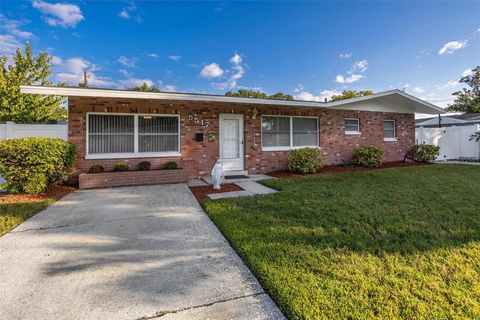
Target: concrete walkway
<point x="250" y="188"/>
<point x="126" y="253"/>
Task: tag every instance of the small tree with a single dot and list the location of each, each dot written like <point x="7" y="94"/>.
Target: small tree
<point x="348" y="94"/>
<point x="468" y="100"/>
<point x="27" y="69"/>
<point x="259" y="94"/>
<point x="145" y="88"/>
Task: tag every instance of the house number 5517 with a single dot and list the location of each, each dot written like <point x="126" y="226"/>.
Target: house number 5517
<point x="197" y="120"/>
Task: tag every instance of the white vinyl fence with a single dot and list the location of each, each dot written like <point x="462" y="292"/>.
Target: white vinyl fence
<point x="12" y="130"/>
<point x="454" y="142"/>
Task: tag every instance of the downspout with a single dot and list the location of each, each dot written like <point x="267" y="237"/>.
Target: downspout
<point x="439" y="120"/>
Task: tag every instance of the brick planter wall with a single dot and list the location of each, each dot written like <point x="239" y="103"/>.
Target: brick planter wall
<point x="131" y="178"/>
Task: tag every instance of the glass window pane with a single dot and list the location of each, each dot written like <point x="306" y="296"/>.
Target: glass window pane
<point x="110" y="134"/>
<point x="389" y="129"/>
<point x="352" y="125"/>
<point x="305" y="132"/>
<point x="158" y="134"/>
<point x="152" y="124"/>
<point x="158" y="143"/>
<point x="275" y="131"/>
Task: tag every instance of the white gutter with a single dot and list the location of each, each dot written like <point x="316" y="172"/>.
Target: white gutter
<point x="128" y="94"/>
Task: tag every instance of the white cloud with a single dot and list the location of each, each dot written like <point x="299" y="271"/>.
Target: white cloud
<point x="131" y="8"/>
<point x="124" y="14"/>
<point x="59" y="14"/>
<point x="13" y="27"/>
<point x="345" y="55"/>
<point x="128" y="62"/>
<point x="56" y="60"/>
<point x="8" y="44"/>
<point x="418" y="90"/>
<point x="478" y="30"/>
<point x="236" y="59"/>
<point x="235" y="73"/>
<point x="302" y="94"/>
<point x="350" y="79"/>
<point x="125" y="72"/>
<point x="71" y="71"/>
<point x="467" y="72"/>
<point x="153" y="55"/>
<point x="450" y="84"/>
<point x="212" y="70"/>
<point x="134" y="82"/>
<point x="169" y="88"/>
<point x="174" y="58"/>
<point x="452" y="46"/>
<point x="360" y="66"/>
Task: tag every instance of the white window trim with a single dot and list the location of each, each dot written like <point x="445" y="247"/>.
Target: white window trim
<point x="135" y="154"/>
<point x="394" y="139"/>
<point x="291" y="147"/>
<point x="352" y="133"/>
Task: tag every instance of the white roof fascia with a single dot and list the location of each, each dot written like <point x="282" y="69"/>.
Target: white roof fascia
<point x="128" y="94"/>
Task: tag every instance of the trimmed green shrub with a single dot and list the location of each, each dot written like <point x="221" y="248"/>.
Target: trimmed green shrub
<point x="370" y="157"/>
<point x="120" y="167"/>
<point x="170" y="165"/>
<point x="305" y="160"/>
<point x="36" y="184"/>
<point x="144" y="166"/>
<point x="96" y="169"/>
<point x="425" y="152"/>
<point x="28" y="161"/>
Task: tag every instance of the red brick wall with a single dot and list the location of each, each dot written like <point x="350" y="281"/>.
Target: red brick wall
<point x="199" y="157"/>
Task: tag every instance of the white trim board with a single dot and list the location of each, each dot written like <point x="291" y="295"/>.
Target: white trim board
<point x="408" y="102"/>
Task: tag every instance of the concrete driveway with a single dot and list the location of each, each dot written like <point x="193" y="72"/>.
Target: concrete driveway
<point x="126" y="253"/>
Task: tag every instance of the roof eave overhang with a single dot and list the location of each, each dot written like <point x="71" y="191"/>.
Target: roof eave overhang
<point x="416" y="103"/>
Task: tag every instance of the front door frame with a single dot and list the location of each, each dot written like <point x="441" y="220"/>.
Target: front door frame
<point x="236" y="164"/>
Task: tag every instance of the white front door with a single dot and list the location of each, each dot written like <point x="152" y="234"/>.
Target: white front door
<point x="231" y="141"/>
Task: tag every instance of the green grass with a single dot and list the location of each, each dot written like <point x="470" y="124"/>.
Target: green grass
<point x="386" y="244"/>
<point x="12" y="214"/>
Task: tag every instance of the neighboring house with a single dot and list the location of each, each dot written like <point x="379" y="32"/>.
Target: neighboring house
<point x="249" y="135"/>
<point x="465" y="119"/>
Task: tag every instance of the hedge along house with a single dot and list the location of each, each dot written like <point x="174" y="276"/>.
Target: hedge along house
<point x="249" y="135"/>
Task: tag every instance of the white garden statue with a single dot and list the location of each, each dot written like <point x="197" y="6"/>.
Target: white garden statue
<point x="217" y="174"/>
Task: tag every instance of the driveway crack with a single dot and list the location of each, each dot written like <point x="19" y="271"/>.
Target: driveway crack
<point x="81" y="224"/>
<point x="164" y="313"/>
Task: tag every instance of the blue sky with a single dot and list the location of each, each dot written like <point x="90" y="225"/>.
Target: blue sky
<point x="308" y="49"/>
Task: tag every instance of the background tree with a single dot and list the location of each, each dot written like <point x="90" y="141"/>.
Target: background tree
<point x="145" y="88"/>
<point x="348" y="94"/>
<point x="258" y="94"/>
<point x="27" y="69"/>
<point x="468" y="100"/>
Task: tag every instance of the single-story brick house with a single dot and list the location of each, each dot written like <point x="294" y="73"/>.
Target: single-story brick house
<point x="249" y="135"/>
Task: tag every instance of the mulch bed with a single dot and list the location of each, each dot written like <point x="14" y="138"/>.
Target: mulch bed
<point x="201" y="192"/>
<point x="342" y="169"/>
<point x="55" y="192"/>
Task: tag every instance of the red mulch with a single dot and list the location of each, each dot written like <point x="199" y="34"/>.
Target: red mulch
<point x="340" y="169"/>
<point x="201" y="192"/>
<point x="55" y="192"/>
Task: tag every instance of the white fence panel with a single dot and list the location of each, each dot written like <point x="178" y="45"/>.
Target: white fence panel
<point x="11" y="130"/>
<point x="454" y="142"/>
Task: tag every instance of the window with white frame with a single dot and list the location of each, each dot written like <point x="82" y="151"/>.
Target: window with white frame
<point x="352" y="126"/>
<point x="286" y="132"/>
<point x="389" y="130"/>
<point x="132" y="135"/>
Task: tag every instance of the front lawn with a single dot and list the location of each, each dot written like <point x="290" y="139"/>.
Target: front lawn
<point x="384" y="244"/>
<point x="16" y="208"/>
